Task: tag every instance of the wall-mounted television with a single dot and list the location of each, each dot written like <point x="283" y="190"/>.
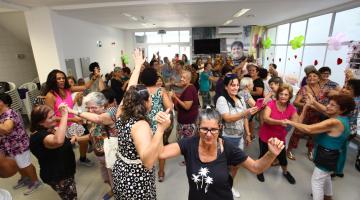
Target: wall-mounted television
<point x="207" y="46"/>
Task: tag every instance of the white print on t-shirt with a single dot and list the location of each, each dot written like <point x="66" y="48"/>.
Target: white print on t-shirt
<point x="202" y="176"/>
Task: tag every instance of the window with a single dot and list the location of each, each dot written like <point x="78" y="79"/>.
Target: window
<point x="271" y="34"/>
<point x="337" y="66"/>
<point x="311" y="55"/>
<point x="184" y="36"/>
<point x="348" y="22"/>
<point x="282" y="34"/>
<point x="318" y="29"/>
<point x="269" y="56"/>
<point x="164" y="50"/>
<point x="140" y="37"/>
<point x="293" y="66"/>
<point x="153" y="37"/>
<point x="171" y="36"/>
<point x="297" y="29"/>
<point x="280" y="59"/>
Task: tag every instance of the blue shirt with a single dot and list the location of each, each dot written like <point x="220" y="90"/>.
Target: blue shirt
<point x="204" y="81"/>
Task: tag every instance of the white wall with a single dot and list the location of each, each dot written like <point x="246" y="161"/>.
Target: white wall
<point x="77" y="39"/>
<point x="13" y="69"/>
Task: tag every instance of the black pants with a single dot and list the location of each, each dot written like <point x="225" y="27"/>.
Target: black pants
<point x="281" y="157"/>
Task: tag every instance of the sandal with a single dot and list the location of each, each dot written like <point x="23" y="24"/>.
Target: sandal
<point x="310" y="156"/>
<point x="161" y="176"/>
<point x="290" y="155"/>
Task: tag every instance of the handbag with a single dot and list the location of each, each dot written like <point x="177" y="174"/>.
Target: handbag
<point x="110" y="150"/>
<point x="327" y="158"/>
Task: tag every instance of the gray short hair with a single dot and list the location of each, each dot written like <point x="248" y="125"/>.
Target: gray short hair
<point x="245" y="82"/>
<point x="97" y="97"/>
<point x="209" y="114"/>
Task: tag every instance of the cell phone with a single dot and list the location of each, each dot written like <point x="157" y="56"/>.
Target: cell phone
<point x="259" y="103"/>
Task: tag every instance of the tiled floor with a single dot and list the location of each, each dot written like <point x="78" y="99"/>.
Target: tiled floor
<point x="91" y="187"/>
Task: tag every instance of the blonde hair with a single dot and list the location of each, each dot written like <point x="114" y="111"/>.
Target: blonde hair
<point x="246" y="81"/>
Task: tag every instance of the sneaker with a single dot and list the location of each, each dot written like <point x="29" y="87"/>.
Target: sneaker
<point x="32" y="187"/>
<point x="289" y="178"/>
<point x="86" y="162"/>
<point x="235" y="193"/>
<point x="22" y="183"/>
<point x="260" y="177"/>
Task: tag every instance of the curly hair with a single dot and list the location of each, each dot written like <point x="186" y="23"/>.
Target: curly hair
<point x="51" y="82"/>
<point x="134" y="103"/>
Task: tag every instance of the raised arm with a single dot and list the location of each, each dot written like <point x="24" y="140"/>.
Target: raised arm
<point x="139" y="60"/>
<point x="87" y="85"/>
<point x="260" y="165"/>
<point x="56" y="140"/>
<point x="147" y="145"/>
<point x="321" y="127"/>
<point x="170" y="151"/>
<point x="104" y="118"/>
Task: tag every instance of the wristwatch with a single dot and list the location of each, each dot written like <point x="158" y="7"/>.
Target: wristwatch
<point x="79" y="113"/>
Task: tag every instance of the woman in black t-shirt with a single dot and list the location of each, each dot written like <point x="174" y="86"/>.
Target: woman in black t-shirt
<point x="258" y="90"/>
<point x="53" y="150"/>
<point x="208" y="156"/>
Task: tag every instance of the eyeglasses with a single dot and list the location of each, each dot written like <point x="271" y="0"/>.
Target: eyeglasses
<point x="206" y="130"/>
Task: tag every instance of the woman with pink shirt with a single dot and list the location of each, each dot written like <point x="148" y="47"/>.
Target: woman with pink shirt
<point x="275" y="114"/>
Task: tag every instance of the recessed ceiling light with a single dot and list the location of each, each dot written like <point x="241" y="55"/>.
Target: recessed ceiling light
<point x="241" y="12"/>
<point x="228" y="22"/>
<point x="134" y="18"/>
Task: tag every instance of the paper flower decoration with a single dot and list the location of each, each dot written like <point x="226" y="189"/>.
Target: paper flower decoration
<point x="339" y="61"/>
<point x="266" y="43"/>
<point x="297" y="42"/>
<point x="125" y="59"/>
<point x="334" y="42"/>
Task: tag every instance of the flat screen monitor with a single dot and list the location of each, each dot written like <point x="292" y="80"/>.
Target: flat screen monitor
<point x="207" y="46"/>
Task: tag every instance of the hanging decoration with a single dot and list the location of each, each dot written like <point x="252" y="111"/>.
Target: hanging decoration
<point x="339" y="61"/>
<point x="266" y="43"/>
<point x="335" y="42"/>
<point x="297" y="42"/>
<point x="279" y="59"/>
<point x="295" y="56"/>
<point x="300" y="64"/>
<point x="316" y="62"/>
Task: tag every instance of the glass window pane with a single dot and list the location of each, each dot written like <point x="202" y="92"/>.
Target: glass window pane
<point x="164" y="50"/>
<point x="348" y="22"/>
<point x="153" y="37"/>
<point x="280" y="59"/>
<point x="293" y="66"/>
<point x="312" y="54"/>
<point x="140" y="37"/>
<point x="171" y="36"/>
<point x="318" y="29"/>
<point x="282" y="34"/>
<point x="337" y="70"/>
<point x="271" y="33"/>
<point x="297" y="29"/>
<point x="269" y="56"/>
<point x="185" y="50"/>
<point x="184" y="36"/>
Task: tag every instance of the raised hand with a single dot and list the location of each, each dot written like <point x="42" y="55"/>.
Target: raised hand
<point x="163" y="120"/>
<point x="252" y="110"/>
<point x="275" y="146"/>
<point x="138" y="58"/>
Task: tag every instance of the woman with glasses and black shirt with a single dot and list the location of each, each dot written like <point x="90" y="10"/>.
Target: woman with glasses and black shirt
<point x="208" y="156"/>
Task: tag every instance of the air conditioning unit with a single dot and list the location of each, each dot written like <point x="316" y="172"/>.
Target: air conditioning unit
<point x="235" y="30"/>
<point x="161" y="32"/>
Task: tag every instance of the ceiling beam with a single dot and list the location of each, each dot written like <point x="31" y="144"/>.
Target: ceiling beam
<point x="131" y="3"/>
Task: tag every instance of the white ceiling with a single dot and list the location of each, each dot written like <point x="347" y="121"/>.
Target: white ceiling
<point x="177" y="13"/>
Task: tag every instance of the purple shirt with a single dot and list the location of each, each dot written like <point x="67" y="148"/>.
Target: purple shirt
<point x="267" y="131"/>
<point x="18" y="140"/>
<point x="189" y="116"/>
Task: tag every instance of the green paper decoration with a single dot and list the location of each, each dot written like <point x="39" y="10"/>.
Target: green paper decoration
<point x="297" y="42"/>
<point x="125" y="59"/>
<point x="266" y="43"/>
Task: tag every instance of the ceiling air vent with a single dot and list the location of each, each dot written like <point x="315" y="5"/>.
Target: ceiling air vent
<point x="161" y="32"/>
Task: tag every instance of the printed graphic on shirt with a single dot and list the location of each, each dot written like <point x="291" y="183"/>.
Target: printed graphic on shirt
<point x="202" y="180"/>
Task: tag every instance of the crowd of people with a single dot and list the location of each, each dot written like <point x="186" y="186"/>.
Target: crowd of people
<point x="127" y="117"/>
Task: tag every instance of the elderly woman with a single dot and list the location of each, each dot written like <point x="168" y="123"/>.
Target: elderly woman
<point x="160" y="101"/>
<point x="53" y="150"/>
<point x="102" y="114"/>
<point x="235" y="115"/>
<point x="207" y="158"/>
<point x="187" y="105"/>
<point x="331" y="135"/>
<point x="312" y="116"/>
<point x="14" y="143"/>
<point x="274" y="115"/>
<point x="133" y="172"/>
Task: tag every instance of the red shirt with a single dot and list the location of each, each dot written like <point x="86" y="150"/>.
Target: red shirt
<point x="189" y="116"/>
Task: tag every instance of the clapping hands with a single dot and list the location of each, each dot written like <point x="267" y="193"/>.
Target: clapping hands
<point x="63" y="107"/>
<point x="163" y="119"/>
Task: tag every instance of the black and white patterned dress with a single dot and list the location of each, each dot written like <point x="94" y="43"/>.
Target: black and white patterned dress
<point x="130" y="177"/>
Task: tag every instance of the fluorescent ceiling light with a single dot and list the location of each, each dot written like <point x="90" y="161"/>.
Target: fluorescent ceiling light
<point x="126" y="14"/>
<point x="134" y="18"/>
<point x="241" y="12"/>
<point x="228" y="22"/>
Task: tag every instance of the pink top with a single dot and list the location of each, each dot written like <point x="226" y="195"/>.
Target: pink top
<point x="267" y="131"/>
<point x="68" y="100"/>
